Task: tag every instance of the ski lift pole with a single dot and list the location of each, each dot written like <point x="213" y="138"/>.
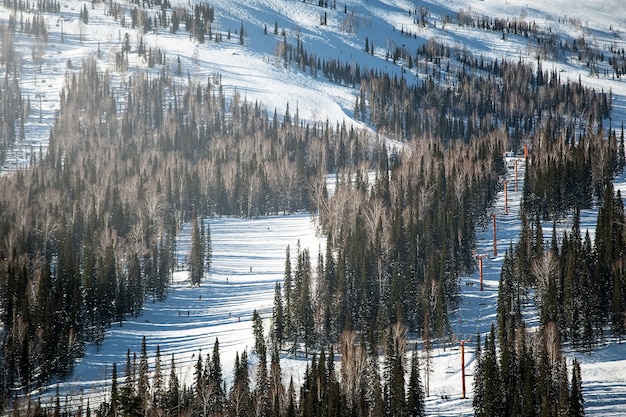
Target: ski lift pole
<point x="506" y="198"/>
<point x="463" y="367"/>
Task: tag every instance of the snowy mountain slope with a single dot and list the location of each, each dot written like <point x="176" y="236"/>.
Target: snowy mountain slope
<point x="248" y="259"/>
<point x="254" y="71"/>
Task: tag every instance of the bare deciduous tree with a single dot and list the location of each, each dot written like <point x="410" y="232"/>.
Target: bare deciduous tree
<point x="353" y="364"/>
<point x="544" y="268"/>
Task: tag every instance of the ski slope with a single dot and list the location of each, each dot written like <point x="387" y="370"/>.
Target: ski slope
<point x="249" y="255"/>
<point x="248" y="259"/>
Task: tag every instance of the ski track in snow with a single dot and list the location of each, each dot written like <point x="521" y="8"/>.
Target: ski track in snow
<point x="248" y="260"/>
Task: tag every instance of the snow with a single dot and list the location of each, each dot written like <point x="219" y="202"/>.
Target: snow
<point x="248" y="259"/>
<point x="249" y="255"/>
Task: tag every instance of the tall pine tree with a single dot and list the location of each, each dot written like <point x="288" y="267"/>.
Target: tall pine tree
<point x="415" y="394"/>
<point x="196" y="254"/>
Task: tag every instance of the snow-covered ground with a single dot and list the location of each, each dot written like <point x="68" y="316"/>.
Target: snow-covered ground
<point x="603" y="371"/>
<point x="249" y="255"/>
<point x="248" y="259"/>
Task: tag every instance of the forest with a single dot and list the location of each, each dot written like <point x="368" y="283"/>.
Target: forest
<point x="89" y="228"/>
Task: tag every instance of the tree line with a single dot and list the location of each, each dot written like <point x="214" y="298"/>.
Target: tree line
<point x="396" y="244"/>
<point x="90" y="231"/>
<point x="601" y="60"/>
<point x="351" y="386"/>
<point x="520" y="379"/>
<point x="578" y="281"/>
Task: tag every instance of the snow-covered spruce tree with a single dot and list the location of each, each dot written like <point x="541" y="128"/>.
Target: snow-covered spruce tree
<point x="261" y="397"/>
<point x="609" y="241"/>
<point x="277" y="331"/>
<point x="129" y="401"/>
<point x="489" y="385"/>
<point x="201" y="395"/>
<point x="479" y="379"/>
<point x="196" y="254"/>
<point x="143" y="382"/>
<point x="208" y="247"/>
<point x="415" y="391"/>
<point x="215" y="381"/>
<point x="258" y="333"/>
<point x="240" y="398"/>
<point x="277" y="395"/>
<point x="158" y="383"/>
<point x="394" y="370"/>
<point x="576" y="400"/>
<point x="320" y="392"/>
<point x="173" y="393"/>
<point x="302" y="303"/>
<point x="288" y="294"/>
<point x="114" y="405"/>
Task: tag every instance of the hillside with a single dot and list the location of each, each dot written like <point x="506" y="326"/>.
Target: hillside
<point x="254" y="52"/>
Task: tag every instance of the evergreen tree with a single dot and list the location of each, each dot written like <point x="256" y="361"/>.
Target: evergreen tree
<point x="427" y="346"/>
<point x="415" y="394"/>
<point x="173" y="394"/>
<point x="143" y="383"/>
<point x="576" y="400"/>
<point x="394" y="370"/>
<point x="135" y="286"/>
<point x="563" y="388"/>
<point x="309" y="400"/>
<point x="115" y="397"/>
<point x="278" y="319"/>
<point x="479" y="379"/>
<point x="538" y="243"/>
<point x="208" y="247"/>
<point x="196" y="255"/>
<point x="165" y="263"/>
<point x="588" y="296"/>
<point x="129" y="402"/>
<point x="334" y="400"/>
<point x="523" y="253"/>
<point x="276" y="388"/>
<point x="288" y="295"/>
<point x="608" y="244"/>
<point x="257" y="331"/>
<point x="526" y="403"/>
<point x="507" y="307"/>
<point x="200" y="382"/>
<point x="374" y="391"/>
<point x="262" y="403"/>
<point x="546" y="390"/>
<point x="329" y="319"/>
<point x="621" y="152"/>
<point x="158" y="384"/>
<point x="618" y="302"/>
<point x="509" y="371"/>
<point x="240" y="402"/>
<point x="573" y="277"/>
<point x="292" y="408"/>
<point x="491" y="386"/>
<point x="215" y="381"/>
<point x="305" y="326"/>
